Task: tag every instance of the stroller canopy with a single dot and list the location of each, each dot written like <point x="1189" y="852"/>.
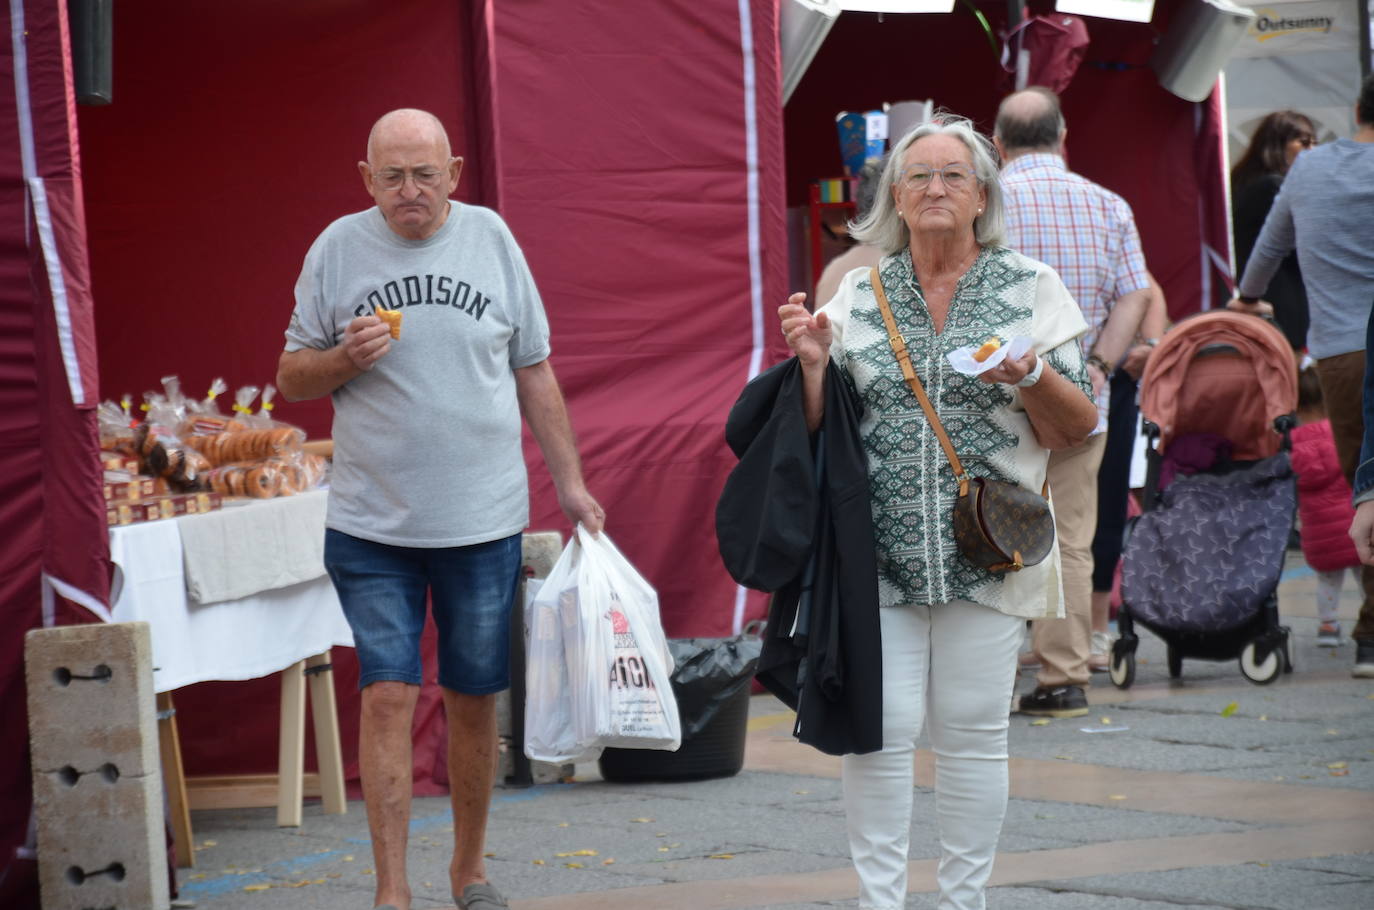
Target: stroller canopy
<point x="1225" y="373"/>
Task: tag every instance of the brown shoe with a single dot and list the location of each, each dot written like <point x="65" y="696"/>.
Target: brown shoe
<point x="1059" y="701"/>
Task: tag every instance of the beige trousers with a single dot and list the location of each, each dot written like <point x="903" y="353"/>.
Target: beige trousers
<point x="1063" y="645"/>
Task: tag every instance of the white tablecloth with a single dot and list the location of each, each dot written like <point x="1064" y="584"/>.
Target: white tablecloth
<point x="245" y="638"/>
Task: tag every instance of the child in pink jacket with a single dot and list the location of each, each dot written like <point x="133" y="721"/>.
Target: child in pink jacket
<point x="1323" y="505"/>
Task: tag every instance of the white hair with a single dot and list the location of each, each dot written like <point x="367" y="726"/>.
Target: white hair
<point x="884" y="228"/>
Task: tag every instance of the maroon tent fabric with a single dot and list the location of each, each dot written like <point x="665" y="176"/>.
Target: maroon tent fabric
<point x="253" y="150"/>
<point x="50" y="500"/>
<point x="643" y="177"/>
<point x="637" y="170"/>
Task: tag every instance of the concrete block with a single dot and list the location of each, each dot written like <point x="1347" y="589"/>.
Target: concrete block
<point x="101" y="842"/>
<point x="90" y="697"/>
<point x="540" y="550"/>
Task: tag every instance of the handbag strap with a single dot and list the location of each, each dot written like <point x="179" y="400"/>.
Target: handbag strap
<point x="894" y="336"/>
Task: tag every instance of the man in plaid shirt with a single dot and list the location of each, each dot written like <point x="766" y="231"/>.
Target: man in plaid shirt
<point x="1087" y="234"/>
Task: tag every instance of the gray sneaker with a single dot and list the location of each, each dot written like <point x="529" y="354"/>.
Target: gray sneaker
<point x="482" y="896"/>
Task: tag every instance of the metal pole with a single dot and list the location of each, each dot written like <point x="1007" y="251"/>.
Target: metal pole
<point x="521" y="775"/>
<point x="1016" y="11"/>
<point x="1362" y="12"/>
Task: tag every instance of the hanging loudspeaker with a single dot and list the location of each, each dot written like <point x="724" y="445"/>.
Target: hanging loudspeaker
<point x="1197" y="45"/>
<point x="92" y="29"/>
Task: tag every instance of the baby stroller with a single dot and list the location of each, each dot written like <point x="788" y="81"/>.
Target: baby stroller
<point x="1201" y="565"/>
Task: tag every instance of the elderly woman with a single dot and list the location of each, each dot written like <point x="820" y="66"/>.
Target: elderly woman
<point x="950" y="629"/>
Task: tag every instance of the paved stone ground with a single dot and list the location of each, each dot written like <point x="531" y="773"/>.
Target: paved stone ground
<point x="1217" y="794"/>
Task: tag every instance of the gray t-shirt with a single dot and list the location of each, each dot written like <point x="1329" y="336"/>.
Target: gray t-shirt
<point x="1326" y="211"/>
<point x="427" y="443"/>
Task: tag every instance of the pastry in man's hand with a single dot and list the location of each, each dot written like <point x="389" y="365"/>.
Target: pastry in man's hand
<point x="392" y="318"/>
<point x="987" y="349"/>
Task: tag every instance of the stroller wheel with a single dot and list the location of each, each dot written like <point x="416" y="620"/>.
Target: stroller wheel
<point x="1261" y="672"/>
<point x="1175" y="663"/>
<point x="1121" y="668"/>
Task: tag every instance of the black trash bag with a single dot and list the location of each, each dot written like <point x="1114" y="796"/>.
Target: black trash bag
<point x="709" y="671"/>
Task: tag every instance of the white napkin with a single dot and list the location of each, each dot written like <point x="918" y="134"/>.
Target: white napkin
<point x="268" y="544"/>
<point x="962" y="358"/>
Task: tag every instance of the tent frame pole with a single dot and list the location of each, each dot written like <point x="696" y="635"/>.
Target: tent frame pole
<point x="1362" y="13"/>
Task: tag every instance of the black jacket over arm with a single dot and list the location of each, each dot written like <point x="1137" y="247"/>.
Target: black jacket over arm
<point x="795" y="519"/>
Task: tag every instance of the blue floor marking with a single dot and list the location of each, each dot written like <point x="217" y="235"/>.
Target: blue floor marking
<point x="221" y="885"/>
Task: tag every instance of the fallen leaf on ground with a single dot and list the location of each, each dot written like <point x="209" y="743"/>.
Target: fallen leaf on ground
<point x="1342" y="772"/>
<point x="1040" y="722"/>
<point x="1106" y="720"/>
<point x="722" y="856"/>
<point x="1064" y="757"/>
<point x="1337" y="765"/>
<point x="537" y="862"/>
<point x="1333" y="732"/>
<point x="608" y="862"/>
<point x="641" y="820"/>
<point x="562" y="824"/>
<point x="572" y="865"/>
<point x="576" y="853"/>
<point x="256" y="887"/>
<point x="1117" y="796"/>
<point x="1230" y="709"/>
<point x="662" y="849"/>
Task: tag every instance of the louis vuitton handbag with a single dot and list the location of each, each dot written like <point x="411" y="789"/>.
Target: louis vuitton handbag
<point x="1000" y="526"/>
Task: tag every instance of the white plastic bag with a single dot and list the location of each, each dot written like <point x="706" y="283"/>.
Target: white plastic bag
<point x="549" y="732"/>
<point x="613" y="685"/>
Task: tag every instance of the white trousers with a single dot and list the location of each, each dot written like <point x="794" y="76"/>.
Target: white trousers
<point x="953" y="664"/>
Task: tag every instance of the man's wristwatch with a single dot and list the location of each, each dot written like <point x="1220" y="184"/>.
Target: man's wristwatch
<point x="1097" y="361"/>
<point x="1033" y="376"/>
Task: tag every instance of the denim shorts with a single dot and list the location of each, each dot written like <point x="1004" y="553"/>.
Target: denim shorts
<point x="382" y="589"/>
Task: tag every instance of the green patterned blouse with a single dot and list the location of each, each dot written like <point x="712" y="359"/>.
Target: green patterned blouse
<point x="912" y="486"/>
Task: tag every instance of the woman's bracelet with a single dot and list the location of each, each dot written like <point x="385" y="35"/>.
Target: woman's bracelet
<point x="1033" y="376"/>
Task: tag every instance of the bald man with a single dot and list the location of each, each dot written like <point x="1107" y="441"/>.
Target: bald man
<point x="1087" y="234"/>
<point x="428" y="494"/>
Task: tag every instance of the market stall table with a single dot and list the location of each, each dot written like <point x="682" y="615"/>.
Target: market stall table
<point x="252" y="634"/>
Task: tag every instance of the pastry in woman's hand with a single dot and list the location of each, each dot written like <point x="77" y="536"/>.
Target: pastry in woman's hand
<point x="987" y="349"/>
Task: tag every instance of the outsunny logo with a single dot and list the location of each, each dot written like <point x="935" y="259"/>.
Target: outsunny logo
<point x="1270" y="25"/>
